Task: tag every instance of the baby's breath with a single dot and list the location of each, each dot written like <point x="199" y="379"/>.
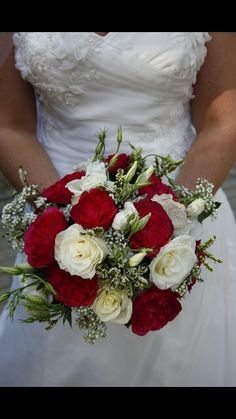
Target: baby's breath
<point x="89" y="321"/>
<point x="15" y="218"/>
<point x="204" y="189"/>
<point x="41" y="203"/>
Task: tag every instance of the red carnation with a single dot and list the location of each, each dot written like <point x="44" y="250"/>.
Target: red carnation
<point x="122" y="162"/>
<point x="156" y="188"/>
<point x="94" y="209"/>
<point x="153" y="309"/>
<point x="73" y="291"/>
<point x="39" y="238"/>
<point x="158" y="230"/>
<point x="58" y="193"/>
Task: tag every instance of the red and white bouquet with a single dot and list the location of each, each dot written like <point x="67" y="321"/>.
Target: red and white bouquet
<point x="110" y="242"/>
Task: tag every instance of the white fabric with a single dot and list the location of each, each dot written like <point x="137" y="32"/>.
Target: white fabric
<point x="143" y="82"/>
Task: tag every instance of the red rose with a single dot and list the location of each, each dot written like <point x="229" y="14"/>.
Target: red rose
<point x="94" y="209"/>
<point x="58" y="193"/>
<point x="73" y="291"/>
<point x="158" y="230"/>
<point x="39" y="238"/>
<point x="153" y="309"/>
<point x="122" y="162"/>
<point x="156" y="188"/>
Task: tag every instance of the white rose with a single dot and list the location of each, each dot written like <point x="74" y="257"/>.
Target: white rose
<point x="78" y="253"/>
<point x="95" y="176"/>
<point x="120" y="221"/>
<point x="196" y="207"/>
<point x="114" y="306"/>
<point x="175" y="210"/>
<point x="173" y="263"/>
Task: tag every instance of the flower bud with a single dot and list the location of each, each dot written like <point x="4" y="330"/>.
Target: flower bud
<point x="131" y="172"/>
<point x="112" y="161"/>
<point x="9" y="270"/>
<point x="4" y="296"/>
<point x="196" y="207"/>
<point x="17" y="269"/>
<point x="136" y="259"/>
<point x="119" y="136"/>
<point x="35" y="299"/>
<point x="145" y="176"/>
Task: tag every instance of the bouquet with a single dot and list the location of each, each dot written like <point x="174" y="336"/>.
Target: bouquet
<point x="116" y="241"/>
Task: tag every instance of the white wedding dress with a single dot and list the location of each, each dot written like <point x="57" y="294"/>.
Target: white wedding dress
<point x="143" y="82"/>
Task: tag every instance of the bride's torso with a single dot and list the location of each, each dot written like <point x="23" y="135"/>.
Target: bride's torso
<point x="85" y="82"/>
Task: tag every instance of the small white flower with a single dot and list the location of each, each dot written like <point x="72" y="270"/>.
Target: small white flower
<point x="114" y="306"/>
<point x="95" y="176"/>
<point x="196" y="207"/>
<point x="78" y="253"/>
<point x="173" y="263"/>
<point x="120" y="221"/>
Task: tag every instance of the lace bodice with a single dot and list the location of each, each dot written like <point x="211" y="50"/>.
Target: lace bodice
<point x="84" y="82"/>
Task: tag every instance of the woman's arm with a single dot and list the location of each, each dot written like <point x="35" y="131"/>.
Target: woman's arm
<point x="214" y="115"/>
<point x="18" y="142"/>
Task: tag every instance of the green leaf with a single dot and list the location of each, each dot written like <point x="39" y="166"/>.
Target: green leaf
<point x="68" y="316"/>
<point x="206" y="214"/>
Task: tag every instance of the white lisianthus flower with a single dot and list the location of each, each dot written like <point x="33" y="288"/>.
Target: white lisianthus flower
<point x="175" y="210"/>
<point x="136" y="259"/>
<point x="95" y="176"/>
<point x="120" y="221"/>
<point x="196" y="229"/>
<point x="96" y="168"/>
<point x="173" y="263"/>
<point x="78" y="253"/>
<point x="114" y="306"/>
<point x="196" y="207"/>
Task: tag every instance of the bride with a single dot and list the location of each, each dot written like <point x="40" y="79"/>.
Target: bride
<point x="172" y="93"/>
